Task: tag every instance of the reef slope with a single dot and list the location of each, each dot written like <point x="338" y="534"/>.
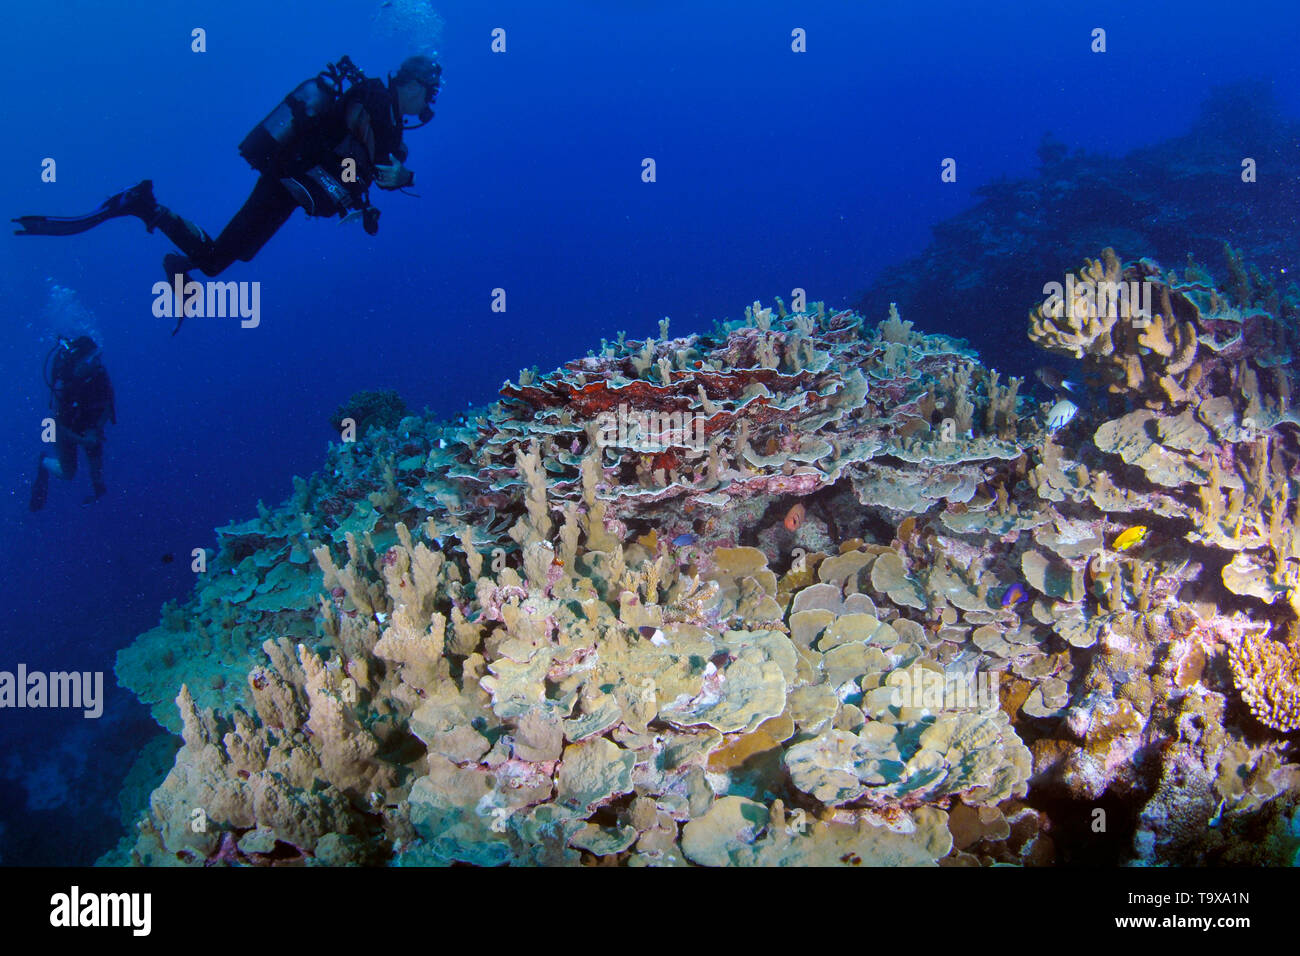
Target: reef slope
<point x="797" y="591"/>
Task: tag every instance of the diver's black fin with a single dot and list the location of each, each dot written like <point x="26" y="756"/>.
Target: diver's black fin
<point x="40" y="487"/>
<point x="136" y="201"/>
<point x="57" y="225"/>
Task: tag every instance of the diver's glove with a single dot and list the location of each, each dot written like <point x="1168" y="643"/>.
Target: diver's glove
<point x="393" y="177"/>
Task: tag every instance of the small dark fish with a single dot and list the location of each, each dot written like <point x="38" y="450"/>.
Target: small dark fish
<point x="721" y="659"/>
<point x="1014" y="595"/>
<point x="168" y="558"/>
<point x="653" y="634"/>
<point x="1055" y="381"/>
<point x="684" y="540"/>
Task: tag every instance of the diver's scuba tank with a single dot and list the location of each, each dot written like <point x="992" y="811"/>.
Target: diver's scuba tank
<point x="272" y="146"/>
<point x="69" y="362"/>
<point x="54" y="369"/>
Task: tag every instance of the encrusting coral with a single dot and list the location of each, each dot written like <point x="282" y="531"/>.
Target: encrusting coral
<point x="367" y="410"/>
<point x="790" y="592"/>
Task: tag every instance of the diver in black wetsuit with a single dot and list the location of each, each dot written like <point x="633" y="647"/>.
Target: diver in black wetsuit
<point x="302" y="150"/>
<point x="81" y="397"/>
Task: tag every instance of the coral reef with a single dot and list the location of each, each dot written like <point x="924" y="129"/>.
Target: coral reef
<point x="795" y="591"/>
<point x="377" y="409"/>
<point x="1167" y="201"/>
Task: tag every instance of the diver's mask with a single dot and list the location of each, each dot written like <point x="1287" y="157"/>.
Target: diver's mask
<point x="432" y="82"/>
<point x="426" y="113"/>
<point x="76" y="358"/>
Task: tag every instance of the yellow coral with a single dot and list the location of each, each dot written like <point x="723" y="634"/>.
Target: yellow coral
<point x="1095" y="318"/>
<point x="1267" y="674"/>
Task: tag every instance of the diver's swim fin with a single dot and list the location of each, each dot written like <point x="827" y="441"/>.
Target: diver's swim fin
<point x="136" y="201"/>
<point x="57" y="225"/>
<point x="40" y="486"/>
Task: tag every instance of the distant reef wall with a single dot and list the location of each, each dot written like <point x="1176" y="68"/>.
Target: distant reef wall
<point x="1179" y="198"/>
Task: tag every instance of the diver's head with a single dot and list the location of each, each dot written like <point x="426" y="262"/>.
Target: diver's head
<point x="416" y="86"/>
<point x="75" y="358"/>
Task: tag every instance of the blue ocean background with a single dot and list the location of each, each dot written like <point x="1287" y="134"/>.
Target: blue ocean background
<point x="775" y="170"/>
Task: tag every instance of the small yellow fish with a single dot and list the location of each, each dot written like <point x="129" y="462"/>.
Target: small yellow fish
<point x="1128" y="538"/>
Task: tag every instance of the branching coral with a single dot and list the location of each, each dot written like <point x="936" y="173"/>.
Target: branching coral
<point x="1267" y="673"/>
<point x="528" y="637"/>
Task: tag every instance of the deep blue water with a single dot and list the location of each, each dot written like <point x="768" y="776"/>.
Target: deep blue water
<point x="775" y="169"/>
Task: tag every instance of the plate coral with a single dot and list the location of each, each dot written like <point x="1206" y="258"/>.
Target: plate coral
<point x="739" y="598"/>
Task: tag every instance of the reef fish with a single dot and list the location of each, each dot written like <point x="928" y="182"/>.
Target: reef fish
<point x="653" y="635"/>
<point x="794" y="517"/>
<point x="1014" y="595"/>
<point x="1129" y="537"/>
<point x="1055" y="381"/>
<point x="684" y="540"/>
<point x="1061" y="414"/>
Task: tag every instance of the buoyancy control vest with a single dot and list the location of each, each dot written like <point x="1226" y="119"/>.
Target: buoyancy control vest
<point x="81" y="393"/>
<point x="276" y="146"/>
<point x="289" y="142"/>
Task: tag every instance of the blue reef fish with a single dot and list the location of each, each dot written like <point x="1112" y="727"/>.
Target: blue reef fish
<point x="1014" y="594"/>
<point x="1054" y="380"/>
<point x="684" y="540"/>
<point x="1217" y="819"/>
<point x="1061" y="414"/>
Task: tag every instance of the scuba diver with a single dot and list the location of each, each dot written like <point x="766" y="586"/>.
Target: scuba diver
<point x="81" y="397"/>
<point x="320" y="149"/>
